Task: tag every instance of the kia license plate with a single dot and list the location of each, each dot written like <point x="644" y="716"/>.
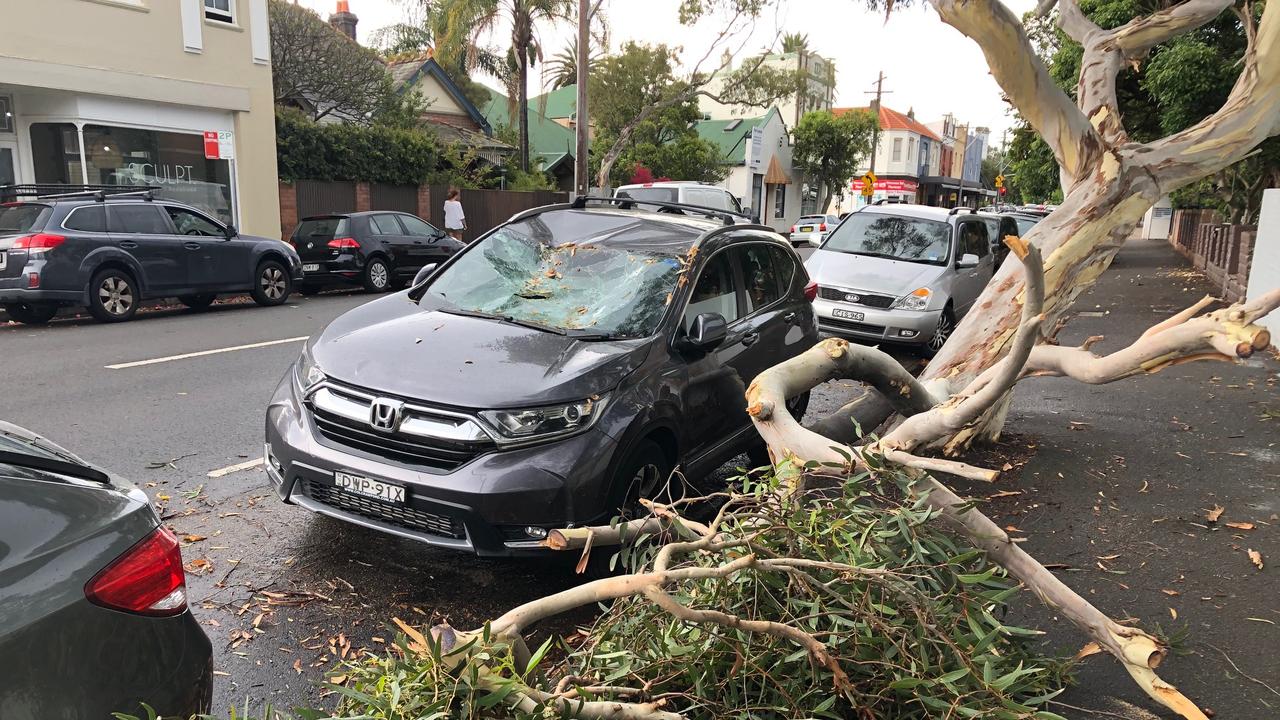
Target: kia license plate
<point x="806" y="228"/>
<point x="311" y="267"/>
<point x="386" y="492"/>
<point x="848" y="314"/>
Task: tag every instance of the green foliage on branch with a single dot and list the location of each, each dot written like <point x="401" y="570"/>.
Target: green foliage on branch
<point x="307" y="150"/>
<point x="828" y="149"/>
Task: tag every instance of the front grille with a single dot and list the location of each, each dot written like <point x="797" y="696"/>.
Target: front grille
<point x="401" y="448"/>
<point x="851" y="326"/>
<point x="867" y="299"/>
<point x="399" y="515"/>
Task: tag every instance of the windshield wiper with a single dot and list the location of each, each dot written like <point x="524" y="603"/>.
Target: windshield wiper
<point x="53" y="465"/>
<point x="871" y="254"/>
<point x="504" y="318"/>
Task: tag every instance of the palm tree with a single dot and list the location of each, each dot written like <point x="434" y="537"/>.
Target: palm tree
<point x="795" y="43"/>
<point x="466" y="22"/>
<point x="562" y="69"/>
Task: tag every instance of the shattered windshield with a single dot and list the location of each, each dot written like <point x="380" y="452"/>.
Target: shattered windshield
<point x="584" y="289"/>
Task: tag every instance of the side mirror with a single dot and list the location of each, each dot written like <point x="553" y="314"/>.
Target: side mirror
<point x="706" y="332"/>
<point x="746" y="210"/>
<point x="967" y="260"/>
<point x="230" y="231"/>
<point x="424" y="273"/>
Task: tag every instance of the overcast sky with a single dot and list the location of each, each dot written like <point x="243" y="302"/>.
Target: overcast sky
<point x="929" y="66"/>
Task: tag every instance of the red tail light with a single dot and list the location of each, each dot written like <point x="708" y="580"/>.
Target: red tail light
<point x="341" y="243"/>
<point x="811" y="291"/>
<point x="39" y="241"/>
<point x="146" y="580"/>
<point x="793" y="228"/>
<point x="823" y="228"/>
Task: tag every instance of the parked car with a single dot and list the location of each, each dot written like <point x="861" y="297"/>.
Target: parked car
<point x="999" y="226"/>
<point x="901" y="273"/>
<point x="811" y="230"/>
<point x="546" y="375"/>
<point x="379" y="250"/>
<point x="93" y="599"/>
<point x="109" y="252"/>
<point x="685" y="193"/>
<point x="1024" y="221"/>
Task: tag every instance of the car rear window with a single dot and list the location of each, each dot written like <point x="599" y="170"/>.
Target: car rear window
<point x="660" y="194"/>
<point x="324" y="228"/>
<point x="811" y="219"/>
<point x="22" y="217"/>
<point x="91" y="218"/>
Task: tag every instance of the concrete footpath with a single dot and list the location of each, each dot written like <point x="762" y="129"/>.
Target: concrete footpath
<point x="1119" y="491"/>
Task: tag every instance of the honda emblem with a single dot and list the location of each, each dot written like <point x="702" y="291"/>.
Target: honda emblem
<point x="385" y="414"/>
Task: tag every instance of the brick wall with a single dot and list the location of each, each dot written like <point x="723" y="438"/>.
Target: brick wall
<point x="288" y="209"/>
<point x="424" y="201"/>
<point x="362" y="197"/>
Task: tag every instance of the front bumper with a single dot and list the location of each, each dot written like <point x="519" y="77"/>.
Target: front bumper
<point x="481" y="506"/>
<point x="878" y="325"/>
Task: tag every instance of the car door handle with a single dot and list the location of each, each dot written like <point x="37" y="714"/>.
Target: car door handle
<point x="750" y="338"/>
<point x="128" y="244"/>
<point x="191" y="245"/>
<point x="789" y="317"/>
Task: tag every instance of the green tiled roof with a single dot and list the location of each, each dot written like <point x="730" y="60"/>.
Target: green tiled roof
<point x="561" y="103"/>
<point x="731" y="138"/>
<point x="549" y="141"/>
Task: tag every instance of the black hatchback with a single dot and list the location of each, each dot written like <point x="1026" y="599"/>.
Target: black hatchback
<point x="109" y="252"/>
<point x="547" y="375"/>
<point x="378" y="250"/>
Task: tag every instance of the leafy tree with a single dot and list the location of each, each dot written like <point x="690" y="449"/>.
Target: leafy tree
<point x="795" y="43"/>
<point x="829" y="148"/>
<point x="562" y="69"/>
<point x="1033" y="165"/>
<point x="307" y="150"/>
<point x="325" y="73"/>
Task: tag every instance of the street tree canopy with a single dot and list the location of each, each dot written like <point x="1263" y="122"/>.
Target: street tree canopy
<point x="829" y="149"/>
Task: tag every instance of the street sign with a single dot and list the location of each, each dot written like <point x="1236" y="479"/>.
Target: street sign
<point x="868" y="184"/>
<point x="1000" y="182"/>
<point x="219" y="145"/>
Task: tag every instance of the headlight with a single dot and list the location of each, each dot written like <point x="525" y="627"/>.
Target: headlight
<point x="309" y="373"/>
<point x="917" y="300"/>
<point x="543" y="422"/>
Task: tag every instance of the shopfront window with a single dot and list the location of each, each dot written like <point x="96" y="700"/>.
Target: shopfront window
<point x="173" y="162"/>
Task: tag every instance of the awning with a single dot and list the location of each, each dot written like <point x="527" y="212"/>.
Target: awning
<point x="774" y="175"/>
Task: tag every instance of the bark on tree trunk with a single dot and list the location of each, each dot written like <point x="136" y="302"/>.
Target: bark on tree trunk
<point x="524" y="111"/>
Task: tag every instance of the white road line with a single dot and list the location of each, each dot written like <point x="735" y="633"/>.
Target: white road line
<point x="184" y="356"/>
<point x="247" y="465"/>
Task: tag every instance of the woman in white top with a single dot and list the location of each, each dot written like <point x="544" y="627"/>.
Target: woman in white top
<point x="455" y="221"/>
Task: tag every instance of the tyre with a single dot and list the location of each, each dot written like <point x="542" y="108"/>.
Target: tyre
<point x="941" y="333"/>
<point x="309" y="289"/>
<point x="31" y="313"/>
<point x="271" y="284"/>
<point x="377" y="276"/>
<point x="113" y="296"/>
<point x="645" y="473"/>
<point x="198" y="302"/>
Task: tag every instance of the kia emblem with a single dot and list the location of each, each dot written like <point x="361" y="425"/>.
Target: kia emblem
<point x="310" y="245"/>
<point x="852" y="298"/>
<point x="385" y="414"/>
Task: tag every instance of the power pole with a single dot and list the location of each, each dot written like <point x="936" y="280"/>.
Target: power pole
<point x="581" y="181"/>
<point x="963" y="156"/>
<point x="875" y="111"/>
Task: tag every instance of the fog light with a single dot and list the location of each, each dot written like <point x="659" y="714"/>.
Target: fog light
<point x="275" y="470"/>
<point x="535" y="532"/>
<point x="33" y="280"/>
<point x="907" y="333"/>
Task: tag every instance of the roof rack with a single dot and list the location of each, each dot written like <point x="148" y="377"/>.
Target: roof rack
<point x="729" y="218"/>
<point x="51" y="191"/>
<point x="958" y="208"/>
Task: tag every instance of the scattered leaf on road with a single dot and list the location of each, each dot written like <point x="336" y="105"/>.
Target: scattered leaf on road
<point x="1255" y="557"/>
<point x="1214" y="514"/>
<point x="200" y="566"/>
<point x="1171" y="593"/>
<point x="193" y="538"/>
<point x="1240" y="525"/>
<point x="1173" y="613"/>
<point x="297" y="666"/>
<point x="1091" y="648"/>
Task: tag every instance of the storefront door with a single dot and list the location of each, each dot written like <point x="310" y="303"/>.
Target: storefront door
<point x="8" y="162"/>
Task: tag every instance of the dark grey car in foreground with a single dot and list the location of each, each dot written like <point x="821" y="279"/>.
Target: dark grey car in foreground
<point x="547" y="375"/>
<point x="93" y="606"/>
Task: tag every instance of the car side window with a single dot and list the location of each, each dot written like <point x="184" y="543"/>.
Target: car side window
<point x="715" y="291"/>
<point x="973" y="239"/>
<point x="137" y="220"/>
<point x="190" y="223"/>
<point x="760" y="275"/>
<point x="92" y="218"/>
<point x="418" y="227"/>
<point x="786" y="269"/>
<point x="386" y="225"/>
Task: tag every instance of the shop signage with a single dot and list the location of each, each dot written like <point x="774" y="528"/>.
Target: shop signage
<point x="757" y="147"/>
<point x="219" y="145"/>
<point x="894" y="186"/>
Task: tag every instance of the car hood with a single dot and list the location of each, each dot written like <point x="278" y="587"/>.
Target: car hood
<point x="395" y="347"/>
<point x="871" y="274"/>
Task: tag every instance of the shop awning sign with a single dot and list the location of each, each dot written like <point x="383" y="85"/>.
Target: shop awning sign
<point x="219" y="145"/>
<point x="896" y="186"/>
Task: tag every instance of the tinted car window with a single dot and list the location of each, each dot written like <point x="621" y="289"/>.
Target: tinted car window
<point x="661" y="194"/>
<point x="326" y="228"/>
<point x="973" y="239"/>
<point x="190" y="223"/>
<point x="418" y="227"/>
<point x="385" y="225"/>
<point x="707" y="197"/>
<point x="92" y="218"/>
<point x="760" y="275"/>
<point x="1024" y="225"/>
<point x="22" y="217"/>
<point x="138" y="219"/>
<point x="715" y="292"/>
<point x="901" y="238"/>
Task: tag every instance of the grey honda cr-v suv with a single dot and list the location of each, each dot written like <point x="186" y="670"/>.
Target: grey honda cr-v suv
<point x="547" y="375"/>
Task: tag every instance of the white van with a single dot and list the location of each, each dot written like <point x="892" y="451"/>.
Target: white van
<point x="685" y="193"/>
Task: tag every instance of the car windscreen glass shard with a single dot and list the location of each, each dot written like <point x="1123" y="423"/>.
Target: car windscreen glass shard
<point x="614" y="291"/>
<point x="893" y="236"/>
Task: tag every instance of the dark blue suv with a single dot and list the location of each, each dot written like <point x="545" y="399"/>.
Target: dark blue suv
<point x="109" y="252"/>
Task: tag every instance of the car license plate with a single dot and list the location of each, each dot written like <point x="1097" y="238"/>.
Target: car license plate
<point x="311" y="267"/>
<point x="367" y="487"/>
<point x="4" y="259"/>
<point x="848" y="314"/>
<point x="806" y="228"/>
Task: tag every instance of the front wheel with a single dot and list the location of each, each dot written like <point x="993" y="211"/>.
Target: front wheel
<point x="113" y="296"/>
<point x="377" y="276"/>
<point x="31" y="313"/>
<point x="198" y="302"/>
<point x="941" y="333"/>
<point x="645" y="474"/>
<point x="272" y="285"/>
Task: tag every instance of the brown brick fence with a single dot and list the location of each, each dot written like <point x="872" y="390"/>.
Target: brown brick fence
<point x="1223" y="252"/>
